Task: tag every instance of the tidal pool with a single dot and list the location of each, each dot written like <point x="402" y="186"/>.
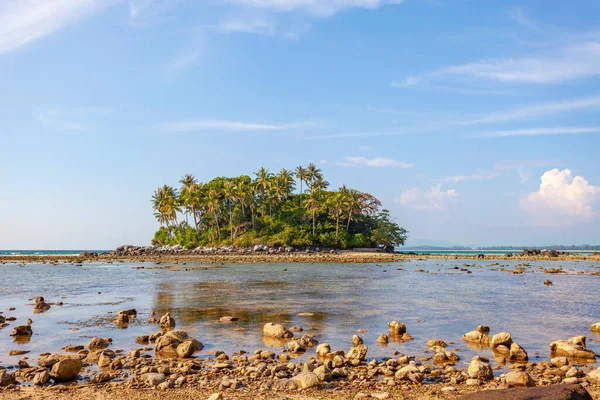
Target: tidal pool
<point x="441" y="303"/>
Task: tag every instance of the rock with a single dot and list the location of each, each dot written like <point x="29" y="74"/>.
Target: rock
<point x="131" y="312"/>
<point x="22" y="330"/>
<point x="436" y="342"/>
<point x="502" y="338"/>
<point x="295" y="347"/>
<point x="555" y="392"/>
<point x="122" y="319"/>
<point x="167" y="322"/>
<point x="186" y="349"/>
<point x="228" y="319"/>
<point x="144" y="339"/>
<point x="6" y="378"/>
<point x="17" y="352"/>
<point x="442" y="355"/>
<point x="358" y="352"/>
<point x="216" y="396"/>
<point x="479" y="368"/>
<point x="323" y="349"/>
<point x="168" y="344"/>
<point x="153" y="378"/>
<point x="276" y="331"/>
<point x="410" y="373"/>
<point x="357" y="340"/>
<point x="49" y="360"/>
<point x="306" y="380"/>
<point x="41" y="378"/>
<point x="559" y="361"/>
<point x="102" y="377"/>
<point x="479" y="335"/>
<point x="383" y="339"/>
<point x="396" y="328"/>
<point x="323" y="373"/>
<point x="594" y="376"/>
<point x="574" y="347"/>
<point x="40" y="305"/>
<point x="517" y="353"/>
<point x="66" y="370"/>
<point x="99" y="343"/>
<point x="519" y="379"/>
<point x="596" y="327"/>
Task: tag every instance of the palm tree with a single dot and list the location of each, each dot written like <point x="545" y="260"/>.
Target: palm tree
<point x="286" y="182"/>
<point x="312" y="174"/>
<point x="336" y="206"/>
<point x="165" y="202"/>
<point x="353" y="205"/>
<point x="187" y="182"/>
<point x="301" y="175"/>
<point x="313" y="205"/>
<point x="213" y="205"/>
<point x="230" y="197"/>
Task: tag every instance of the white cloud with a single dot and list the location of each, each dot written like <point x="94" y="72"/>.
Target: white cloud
<point x="23" y="21"/>
<point x="574" y="61"/>
<point x="520" y="16"/>
<point x="433" y="199"/>
<point x="539" y="131"/>
<point x="562" y="194"/>
<point x="317" y="8"/>
<point x="372" y="162"/>
<point x="231" y="126"/>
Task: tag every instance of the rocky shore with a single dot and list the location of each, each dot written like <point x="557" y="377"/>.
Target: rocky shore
<point x="264" y="253"/>
<point x="168" y="361"/>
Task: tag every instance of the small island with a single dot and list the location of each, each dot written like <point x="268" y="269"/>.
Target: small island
<point x="290" y="208"/>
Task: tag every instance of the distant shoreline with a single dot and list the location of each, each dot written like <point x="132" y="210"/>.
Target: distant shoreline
<point x="298" y="257"/>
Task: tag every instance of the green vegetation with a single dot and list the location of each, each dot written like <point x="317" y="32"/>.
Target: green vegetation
<point x="267" y="210"/>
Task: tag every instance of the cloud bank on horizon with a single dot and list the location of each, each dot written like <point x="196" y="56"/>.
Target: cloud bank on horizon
<point x="481" y="130"/>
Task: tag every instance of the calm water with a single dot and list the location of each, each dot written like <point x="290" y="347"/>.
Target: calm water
<point x="441" y="303"/>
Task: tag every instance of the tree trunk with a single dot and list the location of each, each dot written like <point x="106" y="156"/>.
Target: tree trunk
<point x="218" y="228"/>
<point x="348" y="226"/>
<point x="300" y="192"/>
<point x="252" y="214"/>
<point x="313" y="215"/>
<point x="337" y="228"/>
<point x="231" y="223"/>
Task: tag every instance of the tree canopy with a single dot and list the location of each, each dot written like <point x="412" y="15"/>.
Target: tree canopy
<point x="267" y="209"/>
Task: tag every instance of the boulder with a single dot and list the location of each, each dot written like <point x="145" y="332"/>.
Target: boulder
<point x="41" y="378"/>
<point x="396" y="328"/>
<point x="66" y="370"/>
<point x="596" y="327"/>
<point x="306" y="380"/>
<point x="153" y="379"/>
<point x="502" y="338"/>
<point x="323" y="349"/>
<point x="99" y="343"/>
<point x="436" y="342"/>
<point x="131" y="312"/>
<point x="479" y="335"/>
<point x="383" y="339"/>
<point x="6" y="378"/>
<point x="574" y="347"/>
<point x="410" y="373"/>
<point x="358" y="352"/>
<point x="480" y="368"/>
<point x="22" y="330"/>
<point x="519" y="379"/>
<point x="102" y="377"/>
<point x="517" y="353"/>
<point x="167" y="322"/>
<point x="168" y="344"/>
<point x="49" y="360"/>
<point x="555" y="392"/>
<point x="276" y="331"/>
<point x="443" y="356"/>
<point x="40" y="305"/>
<point x="594" y="376"/>
<point x="295" y="347"/>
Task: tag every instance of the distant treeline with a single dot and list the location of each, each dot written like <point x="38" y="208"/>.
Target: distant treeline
<point x="512" y="248"/>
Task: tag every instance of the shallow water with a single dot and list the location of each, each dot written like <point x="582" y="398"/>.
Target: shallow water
<point x="440" y="303"/>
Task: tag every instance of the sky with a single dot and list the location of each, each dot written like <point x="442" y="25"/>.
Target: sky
<point x="475" y="123"/>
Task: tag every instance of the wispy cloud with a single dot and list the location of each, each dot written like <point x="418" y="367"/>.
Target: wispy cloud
<point x="70" y="120"/>
<point x="539" y="131"/>
<point x="520" y="16"/>
<point x="354" y="135"/>
<point x="372" y="162"/>
<point x="317" y="8"/>
<point x="261" y="25"/>
<point x="24" y="21"/>
<point x="183" y="60"/>
<point x="538" y="110"/>
<point x="231" y="126"/>
<point x="521" y="167"/>
<point x="568" y="63"/>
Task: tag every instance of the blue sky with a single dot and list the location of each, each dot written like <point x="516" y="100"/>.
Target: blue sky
<point x="474" y="122"/>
